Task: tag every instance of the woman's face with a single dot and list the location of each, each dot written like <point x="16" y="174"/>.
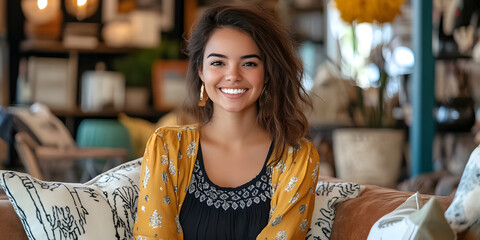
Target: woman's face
<point x="233" y="71"/>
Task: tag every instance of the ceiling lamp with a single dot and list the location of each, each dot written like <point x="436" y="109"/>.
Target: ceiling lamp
<point x="81" y="9"/>
<point x="40" y="11"/>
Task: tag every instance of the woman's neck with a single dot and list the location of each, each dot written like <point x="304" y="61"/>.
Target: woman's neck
<point x="234" y="129"/>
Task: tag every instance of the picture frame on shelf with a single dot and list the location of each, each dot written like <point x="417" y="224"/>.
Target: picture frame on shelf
<point x="52" y="82"/>
<point x="169" y="83"/>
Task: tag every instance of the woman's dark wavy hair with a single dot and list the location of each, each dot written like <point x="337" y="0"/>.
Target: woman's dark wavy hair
<point x="281" y="114"/>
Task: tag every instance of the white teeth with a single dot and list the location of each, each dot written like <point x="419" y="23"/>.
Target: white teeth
<point x="233" y="91"/>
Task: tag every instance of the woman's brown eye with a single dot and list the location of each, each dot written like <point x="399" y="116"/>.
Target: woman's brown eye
<point x="216" y="63"/>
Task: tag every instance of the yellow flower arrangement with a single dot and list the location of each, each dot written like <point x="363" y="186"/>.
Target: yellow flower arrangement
<point x="369" y="11"/>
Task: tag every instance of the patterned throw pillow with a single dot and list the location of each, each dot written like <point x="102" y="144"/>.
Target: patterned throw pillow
<point x="328" y="196"/>
<point x="103" y="208"/>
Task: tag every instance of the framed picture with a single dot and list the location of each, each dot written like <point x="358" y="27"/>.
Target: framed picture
<point x="169" y="84"/>
<point x="52" y="82"/>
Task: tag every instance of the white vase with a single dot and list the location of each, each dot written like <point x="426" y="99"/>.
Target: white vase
<point x="368" y="155"/>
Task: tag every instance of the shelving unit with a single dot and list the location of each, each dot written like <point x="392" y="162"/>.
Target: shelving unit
<point x="52" y="46"/>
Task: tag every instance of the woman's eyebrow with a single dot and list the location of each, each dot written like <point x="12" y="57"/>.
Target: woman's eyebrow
<point x="216" y="55"/>
<point x="242" y="57"/>
<point x="250" y="56"/>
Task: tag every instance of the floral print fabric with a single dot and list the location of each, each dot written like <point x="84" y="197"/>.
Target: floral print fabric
<point x="167" y="169"/>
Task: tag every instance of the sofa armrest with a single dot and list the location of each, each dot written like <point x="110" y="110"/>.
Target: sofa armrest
<point x="355" y="217"/>
<point x="10" y="225"/>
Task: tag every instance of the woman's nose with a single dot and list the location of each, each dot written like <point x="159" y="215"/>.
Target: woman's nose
<point x="233" y="73"/>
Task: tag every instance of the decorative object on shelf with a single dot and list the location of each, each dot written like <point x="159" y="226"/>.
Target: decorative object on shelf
<point x="81" y="9"/>
<point x="40" y="11"/>
<point x="117" y="34"/>
<point x="43" y="18"/>
<point x="102" y="90"/>
<point x="52" y="82"/>
<point x="81" y="35"/>
<point x="138" y="24"/>
<point x="457" y="114"/>
<point x="145" y="29"/>
<point x="169" y="84"/>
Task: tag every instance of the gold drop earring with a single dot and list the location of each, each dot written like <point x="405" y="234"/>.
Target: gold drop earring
<point x="203" y="96"/>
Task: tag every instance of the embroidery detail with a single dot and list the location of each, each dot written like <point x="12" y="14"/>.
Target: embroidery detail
<point x="166" y="200"/>
<point x="179" y="227"/>
<point x="282" y="235"/>
<point x="164" y="160"/>
<point x="303" y="225"/>
<point x="277" y="221"/>
<point x="191" y="149"/>
<point x="255" y="193"/>
<point x="146" y="177"/>
<point x="179" y="136"/>
<point x="165" y="177"/>
<point x="179" y="154"/>
<point x="291" y="184"/>
<point x="165" y="145"/>
<point x="271" y="212"/>
<point x="171" y="168"/>
<point x="295" y="149"/>
<point x="155" y="220"/>
<point x="294" y="198"/>
<point x="315" y="171"/>
<point x="302" y="209"/>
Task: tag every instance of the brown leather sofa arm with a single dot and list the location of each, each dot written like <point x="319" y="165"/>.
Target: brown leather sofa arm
<point x="10" y="226"/>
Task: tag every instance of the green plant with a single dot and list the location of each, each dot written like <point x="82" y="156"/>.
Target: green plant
<point x="137" y="67"/>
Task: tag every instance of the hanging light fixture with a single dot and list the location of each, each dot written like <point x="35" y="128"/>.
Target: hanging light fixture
<point x="81" y="9"/>
<point x="40" y="11"/>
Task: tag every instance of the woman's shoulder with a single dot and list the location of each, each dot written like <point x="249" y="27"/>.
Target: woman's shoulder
<point x="304" y="149"/>
<point x="303" y="146"/>
<point x="176" y="129"/>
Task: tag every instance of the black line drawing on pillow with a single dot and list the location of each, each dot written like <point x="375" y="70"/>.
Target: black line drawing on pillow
<point x="69" y="217"/>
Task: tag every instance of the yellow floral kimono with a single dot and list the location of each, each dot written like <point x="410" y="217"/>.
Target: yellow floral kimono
<point x="167" y="169"/>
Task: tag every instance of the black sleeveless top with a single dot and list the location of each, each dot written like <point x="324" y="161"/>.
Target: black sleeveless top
<point x="212" y="212"/>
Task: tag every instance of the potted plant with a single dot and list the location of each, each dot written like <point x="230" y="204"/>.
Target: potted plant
<point x="372" y="152"/>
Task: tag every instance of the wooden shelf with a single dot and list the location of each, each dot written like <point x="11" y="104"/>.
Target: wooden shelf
<point x="52" y="46"/>
<point x="146" y="113"/>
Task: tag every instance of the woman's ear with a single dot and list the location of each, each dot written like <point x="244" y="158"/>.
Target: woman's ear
<point x="200" y="74"/>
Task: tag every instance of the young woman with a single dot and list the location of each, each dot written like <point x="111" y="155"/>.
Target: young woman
<point x="246" y="171"/>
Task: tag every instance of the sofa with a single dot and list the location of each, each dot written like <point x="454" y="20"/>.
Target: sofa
<point x="353" y="218"/>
